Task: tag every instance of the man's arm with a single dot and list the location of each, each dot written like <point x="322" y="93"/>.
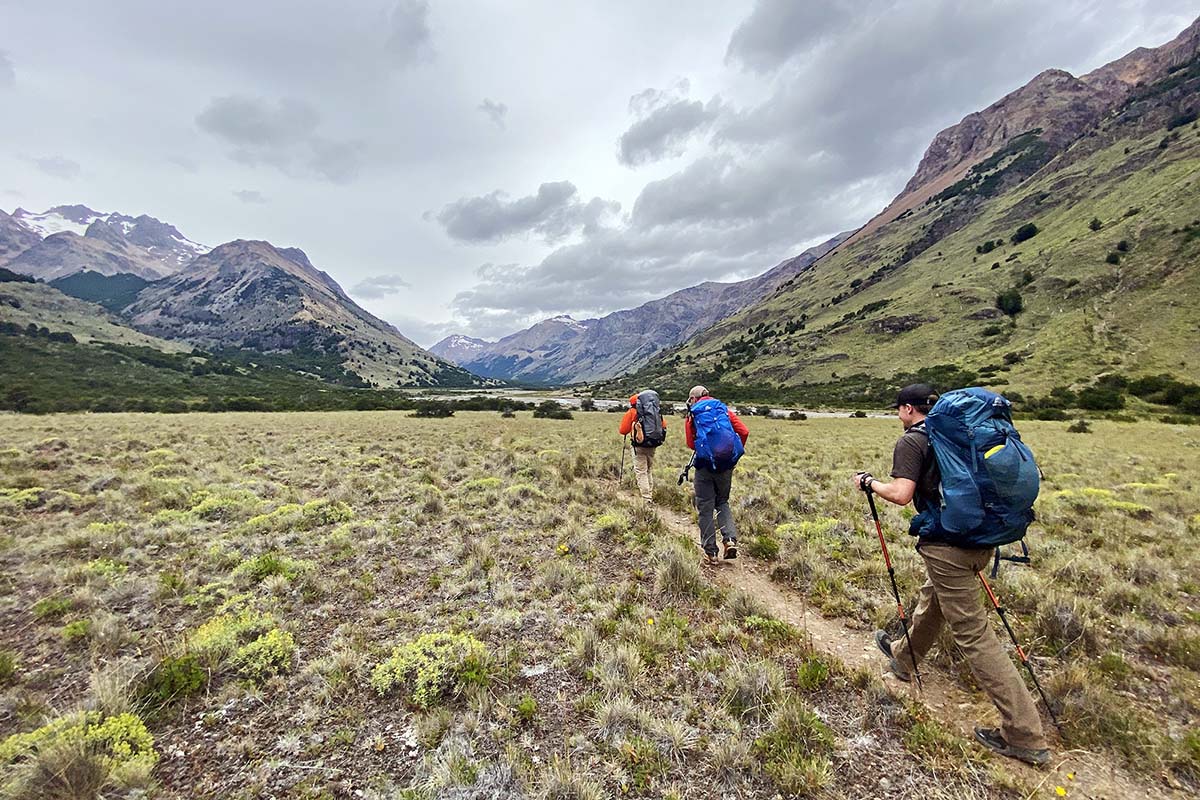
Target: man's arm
<point x="907" y="461"/>
<point x="626" y="426"/>
<point x="900" y="491"/>
<point x="739" y="427"/>
<point x="689" y="434"/>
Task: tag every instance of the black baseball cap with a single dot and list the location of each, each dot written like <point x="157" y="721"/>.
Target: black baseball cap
<point x="916" y="394"/>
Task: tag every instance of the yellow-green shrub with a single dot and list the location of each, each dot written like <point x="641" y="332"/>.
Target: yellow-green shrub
<point x="269" y="654"/>
<point x="294" y="516"/>
<point x="218" y="639"/>
<point x="118" y="740"/>
<point x="433" y="666"/>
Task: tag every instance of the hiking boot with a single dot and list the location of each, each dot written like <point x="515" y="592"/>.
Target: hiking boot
<point x="884" y="643"/>
<point x="711" y="559"/>
<point x="992" y="740"/>
<point x="731" y="548"/>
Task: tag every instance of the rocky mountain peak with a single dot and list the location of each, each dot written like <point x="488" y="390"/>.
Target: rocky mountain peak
<point x="1055" y="103"/>
<point x="76" y="213"/>
<point x="458" y="349"/>
<point x="105" y="231"/>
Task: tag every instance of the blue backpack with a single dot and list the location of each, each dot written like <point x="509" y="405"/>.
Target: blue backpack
<point x="718" y="447"/>
<point x="989" y="476"/>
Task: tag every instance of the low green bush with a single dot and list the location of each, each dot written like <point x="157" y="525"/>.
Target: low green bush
<point x="433" y="667"/>
<point x="173" y="678"/>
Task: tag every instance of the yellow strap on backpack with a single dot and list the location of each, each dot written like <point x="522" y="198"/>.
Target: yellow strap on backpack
<point x="993" y="451"/>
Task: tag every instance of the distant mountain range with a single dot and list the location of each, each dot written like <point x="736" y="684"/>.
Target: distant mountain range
<point x="1049" y="241"/>
<point x="564" y="350"/>
<point x="243" y="296"/>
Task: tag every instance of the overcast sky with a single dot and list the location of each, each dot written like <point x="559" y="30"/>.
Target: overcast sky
<point x="477" y="165"/>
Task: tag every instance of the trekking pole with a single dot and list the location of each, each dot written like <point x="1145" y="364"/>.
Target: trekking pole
<point x="887" y="559"/>
<point x="621" y="476"/>
<point x="683" y="476"/>
<point x="1021" y="653"/>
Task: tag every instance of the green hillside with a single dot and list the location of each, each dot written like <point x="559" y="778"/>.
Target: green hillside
<point x="24" y="302"/>
<point x="1108" y="284"/>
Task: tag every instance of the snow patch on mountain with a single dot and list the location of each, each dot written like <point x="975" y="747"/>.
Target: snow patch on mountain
<point x="54" y="221"/>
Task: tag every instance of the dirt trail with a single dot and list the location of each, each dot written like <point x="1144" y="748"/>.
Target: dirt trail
<point x="1095" y="776"/>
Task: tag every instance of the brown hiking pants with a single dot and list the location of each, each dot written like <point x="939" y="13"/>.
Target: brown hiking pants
<point x="643" y="465"/>
<point x="952" y="594"/>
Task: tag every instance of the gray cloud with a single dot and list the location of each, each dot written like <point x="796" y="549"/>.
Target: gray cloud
<point x="281" y="134"/>
<point x="409" y="41"/>
<point x="57" y="166"/>
<point x="337" y="162"/>
<point x="778" y="30"/>
<point x="8" y="73"/>
<point x="493" y="111"/>
<point x="379" y="286"/>
<point x="426" y="332"/>
<point x="250" y="196"/>
<point x="252" y="122"/>
<point x="666" y="122"/>
<point x="554" y="213"/>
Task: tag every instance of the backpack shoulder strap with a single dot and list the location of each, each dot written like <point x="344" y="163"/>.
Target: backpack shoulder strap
<point x="930" y="460"/>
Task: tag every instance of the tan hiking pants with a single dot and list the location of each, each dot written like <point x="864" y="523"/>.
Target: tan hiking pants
<point x="643" y="463"/>
<point x="952" y="594"/>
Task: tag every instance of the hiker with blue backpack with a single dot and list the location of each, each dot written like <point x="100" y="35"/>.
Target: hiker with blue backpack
<point x="973" y="482"/>
<point x="718" y="439"/>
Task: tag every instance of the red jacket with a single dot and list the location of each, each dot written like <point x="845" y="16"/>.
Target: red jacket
<point x="739" y="427"/>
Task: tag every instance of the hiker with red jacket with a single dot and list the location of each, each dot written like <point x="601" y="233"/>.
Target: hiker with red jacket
<point x="718" y="439"/>
<point x="644" y="423"/>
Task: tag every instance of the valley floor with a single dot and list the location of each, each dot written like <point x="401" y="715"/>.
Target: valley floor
<point x="365" y="604"/>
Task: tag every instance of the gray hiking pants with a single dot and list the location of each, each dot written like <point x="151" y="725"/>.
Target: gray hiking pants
<point x="712" y="494"/>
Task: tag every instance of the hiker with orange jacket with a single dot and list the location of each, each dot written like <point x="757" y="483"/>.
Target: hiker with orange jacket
<point x="645" y="425"/>
<point x="718" y="438"/>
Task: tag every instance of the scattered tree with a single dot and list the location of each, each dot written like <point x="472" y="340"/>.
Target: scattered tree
<point x="433" y="408"/>
<point x="548" y="409"/>
<point x="1025" y="233"/>
<point x="1010" y="302"/>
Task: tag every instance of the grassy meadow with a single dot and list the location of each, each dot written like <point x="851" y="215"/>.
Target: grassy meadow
<point x="365" y="604"/>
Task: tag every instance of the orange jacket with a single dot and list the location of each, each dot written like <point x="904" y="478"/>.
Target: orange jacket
<point x="626" y="426"/>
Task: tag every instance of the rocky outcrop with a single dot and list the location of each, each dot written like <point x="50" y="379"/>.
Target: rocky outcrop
<point x="15" y="238"/>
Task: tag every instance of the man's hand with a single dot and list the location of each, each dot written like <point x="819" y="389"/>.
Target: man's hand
<point x="862" y="481"/>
